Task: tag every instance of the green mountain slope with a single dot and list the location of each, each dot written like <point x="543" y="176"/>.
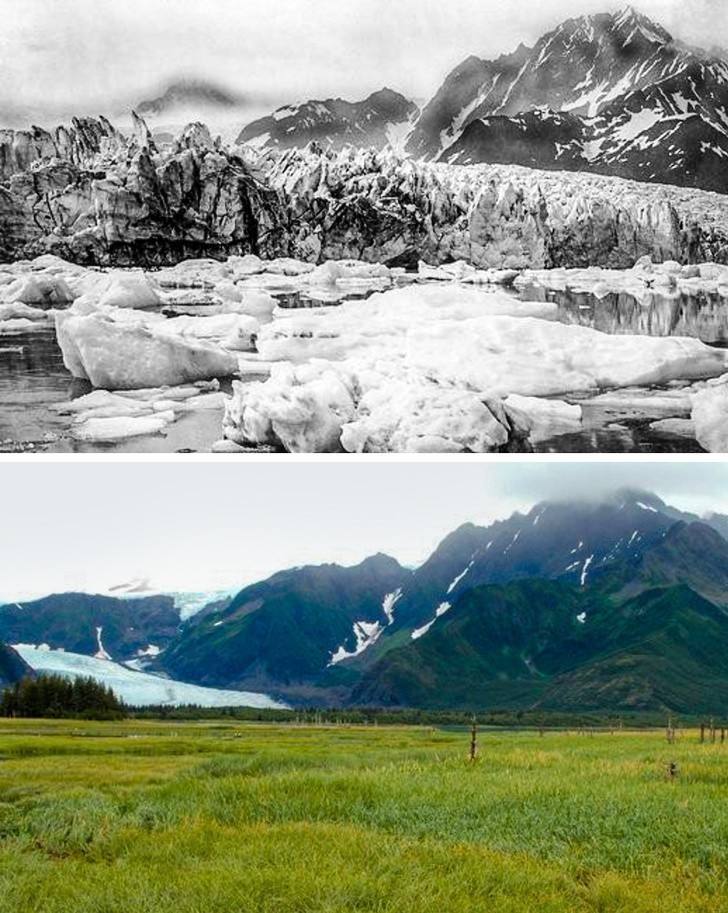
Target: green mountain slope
<point x="665" y="649"/>
<point x="646" y="633"/>
<point x="70" y="620"/>
<point x="283" y="632"/>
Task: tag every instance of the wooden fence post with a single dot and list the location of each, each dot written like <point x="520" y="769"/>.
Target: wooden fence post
<point x="474" y="740"/>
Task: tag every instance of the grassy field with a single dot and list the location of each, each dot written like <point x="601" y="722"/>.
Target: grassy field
<point x="211" y="818"/>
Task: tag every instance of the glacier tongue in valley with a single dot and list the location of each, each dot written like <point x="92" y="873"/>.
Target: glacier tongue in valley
<point x="137" y="689"/>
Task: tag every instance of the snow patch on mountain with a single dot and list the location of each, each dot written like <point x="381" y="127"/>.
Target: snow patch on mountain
<point x="459" y="577"/>
<point x="101" y="652"/>
<point x="439" y="612"/>
<point x="367" y="633"/>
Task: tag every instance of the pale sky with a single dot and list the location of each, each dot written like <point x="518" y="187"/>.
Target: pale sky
<point x="98" y="56"/>
<point x="196" y="526"/>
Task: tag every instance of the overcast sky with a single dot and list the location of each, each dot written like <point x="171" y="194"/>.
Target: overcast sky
<point x="88" y="526"/>
<point x="83" y="56"/>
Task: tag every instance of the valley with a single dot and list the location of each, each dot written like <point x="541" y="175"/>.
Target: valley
<point x="613" y="606"/>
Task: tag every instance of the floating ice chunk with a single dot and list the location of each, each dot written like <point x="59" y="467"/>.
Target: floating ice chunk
<point x="228" y="291"/>
<point x="679" y="428"/>
<point x="287" y="266"/>
<point x="20" y="311"/>
<point x="541" y="419"/>
<point x="248" y="265"/>
<point x="257" y="303"/>
<point x="118" y="355"/>
<point x="224" y="446"/>
<point x="234" y="331"/>
<point x="333" y="271"/>
<point x="710" y="417"/>
<point x="301" y="408"/>
<point x="640" y="403"/>
<point x="406" y="417"/>
<point x="38" y="288"/>
<point x="107" y="430"/>
<point x="425" y="368"/>
<point x="131" y="290"/>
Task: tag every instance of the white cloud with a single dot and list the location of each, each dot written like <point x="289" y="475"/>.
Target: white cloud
<point x="87" y="526"/>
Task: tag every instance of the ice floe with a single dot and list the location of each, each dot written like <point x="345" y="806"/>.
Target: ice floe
<point x="434" y="368"/>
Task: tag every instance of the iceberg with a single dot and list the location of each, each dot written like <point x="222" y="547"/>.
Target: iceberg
<point x="710" y="417"/>
<point x="440" y="369"/>
<point x="118" y="354"/>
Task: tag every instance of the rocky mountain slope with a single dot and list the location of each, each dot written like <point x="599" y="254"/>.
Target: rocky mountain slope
<point x="378" y="121"/>
<point x="612" y="94"/>
<point x="187" y="94"/>
<point x="283" y="634"/>
<point x="618" y="603"/>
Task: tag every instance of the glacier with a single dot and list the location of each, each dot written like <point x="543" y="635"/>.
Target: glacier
<point x="138" y="689"/>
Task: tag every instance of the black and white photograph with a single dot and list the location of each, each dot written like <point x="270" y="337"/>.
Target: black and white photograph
<point x="307" y="226"/>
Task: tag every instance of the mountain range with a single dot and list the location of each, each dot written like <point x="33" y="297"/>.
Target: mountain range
<point x="619" y="603"/>
<point x="382" y="119"/>
<point x="611" y="94"/>
<point x="186" y="94"/>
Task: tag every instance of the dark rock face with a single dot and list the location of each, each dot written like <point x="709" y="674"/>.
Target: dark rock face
<point x="12" y="666"/>
<point x="615" y="93"/>
<point x="333" y="123"/>
<point x="186" y="93"/>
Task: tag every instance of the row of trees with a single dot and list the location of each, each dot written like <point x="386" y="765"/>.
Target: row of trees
<point x="54" y="696"/>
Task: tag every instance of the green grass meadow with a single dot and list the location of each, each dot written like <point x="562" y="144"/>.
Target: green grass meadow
<point x="217" y="817"/>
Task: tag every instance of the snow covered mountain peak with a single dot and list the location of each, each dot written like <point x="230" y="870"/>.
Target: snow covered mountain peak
<point x="615" y="95"/>
<point x="634" y="23"/>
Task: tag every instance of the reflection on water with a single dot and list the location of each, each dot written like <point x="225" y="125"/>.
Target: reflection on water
<point x="635" y="437"/>
<point x="702" y="316"/>
<point x="33" y="377"/>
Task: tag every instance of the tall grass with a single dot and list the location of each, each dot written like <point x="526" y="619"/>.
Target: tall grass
<point x="193" y="817"/>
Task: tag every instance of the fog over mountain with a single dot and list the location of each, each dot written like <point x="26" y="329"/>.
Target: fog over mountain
<point x="80" y="57"/>
<point x="185" y="528"/>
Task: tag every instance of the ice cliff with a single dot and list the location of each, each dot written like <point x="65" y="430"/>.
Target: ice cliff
<point x="93" y="196"/>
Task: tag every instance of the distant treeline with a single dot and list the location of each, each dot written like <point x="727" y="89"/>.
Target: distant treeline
<point x="509" y="719"/>
<point x="54" y="696"/>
